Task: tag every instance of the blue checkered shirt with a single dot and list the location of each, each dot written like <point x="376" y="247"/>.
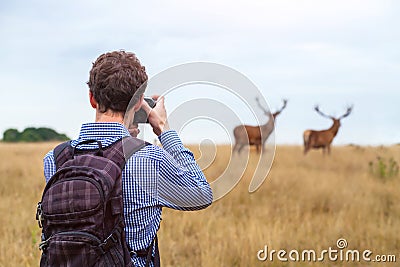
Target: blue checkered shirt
<point x="153" y="178"/>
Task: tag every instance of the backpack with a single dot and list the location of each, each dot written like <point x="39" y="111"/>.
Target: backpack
<point x="81" y="211"/>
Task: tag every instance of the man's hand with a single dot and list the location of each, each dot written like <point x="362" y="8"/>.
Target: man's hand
<point x="134" y="130"/>
<point x="157" y="116"/>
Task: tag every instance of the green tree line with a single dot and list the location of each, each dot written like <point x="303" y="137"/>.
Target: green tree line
<point x="32" y="134"/>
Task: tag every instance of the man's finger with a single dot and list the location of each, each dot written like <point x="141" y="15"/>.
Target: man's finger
<point x="146" y="107"/>
<point x="160" y="99"/>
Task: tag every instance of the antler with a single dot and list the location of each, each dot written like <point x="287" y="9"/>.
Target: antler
<point x="280" y="110"/>
<point x="322" y="114"/>
<point x="348" y="111"/>
<point x="284" y="105"/>
<point x="260" y="106"/>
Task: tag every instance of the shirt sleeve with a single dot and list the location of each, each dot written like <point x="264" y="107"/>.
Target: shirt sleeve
<point x="49" y="165"/>
<point x="181" y="185"/>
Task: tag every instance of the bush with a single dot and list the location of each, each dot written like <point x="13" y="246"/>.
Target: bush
<point x="11" y="135"/>
<point x="383" y="168"/>
<point x="33" y="135"/>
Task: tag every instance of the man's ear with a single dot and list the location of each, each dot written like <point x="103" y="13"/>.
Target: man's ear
<point x="93" y="101"/>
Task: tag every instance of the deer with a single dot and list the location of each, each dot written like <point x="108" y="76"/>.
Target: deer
<point x="256" y="135"/>
<point x="323" y="139"/>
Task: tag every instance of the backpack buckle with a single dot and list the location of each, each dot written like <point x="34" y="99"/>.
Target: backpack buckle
<point x="39" y="214"/>
<point x="44" y="244"/>
<point x="109" y="242"/>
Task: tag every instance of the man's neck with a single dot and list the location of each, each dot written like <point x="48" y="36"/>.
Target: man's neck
<point x="109" y="116"/>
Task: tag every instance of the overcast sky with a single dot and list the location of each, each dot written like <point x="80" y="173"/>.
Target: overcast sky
<point x="331" y="53"/>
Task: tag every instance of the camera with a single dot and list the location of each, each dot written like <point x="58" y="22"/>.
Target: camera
<point x="141" y="115"/>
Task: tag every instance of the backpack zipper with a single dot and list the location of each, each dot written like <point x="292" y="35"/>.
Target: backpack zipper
<point x="45" y="242"/>
<point x="85" y="234"/>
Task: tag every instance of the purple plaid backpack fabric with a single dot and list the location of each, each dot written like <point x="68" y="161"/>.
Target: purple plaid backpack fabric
<point x="81" y="211"/>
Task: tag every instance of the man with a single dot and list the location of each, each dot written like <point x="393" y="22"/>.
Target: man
<point x="153" y="177"/>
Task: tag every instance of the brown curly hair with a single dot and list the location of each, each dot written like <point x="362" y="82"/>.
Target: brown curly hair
<point x="114" y="79"/>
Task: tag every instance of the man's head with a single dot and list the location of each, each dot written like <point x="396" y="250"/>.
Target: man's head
<point x="114" y="79"/>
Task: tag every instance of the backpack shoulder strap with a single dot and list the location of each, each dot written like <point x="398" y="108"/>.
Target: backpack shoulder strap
<point x="125" y="147"/>
<point x="131" y="145"/>
<point x="58" y="150"/>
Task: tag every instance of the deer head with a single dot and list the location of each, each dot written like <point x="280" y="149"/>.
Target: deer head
<point x="335" y="120"/>
<point x="267" y="112"/>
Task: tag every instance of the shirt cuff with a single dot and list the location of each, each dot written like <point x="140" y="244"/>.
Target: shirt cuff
<point x="170" y="139"/>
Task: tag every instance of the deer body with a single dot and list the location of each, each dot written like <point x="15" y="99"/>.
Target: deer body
<point x="323" y="139"/>
<point x="255" y="135"/>
<point x="320" y="139"/>
<point x="252" y="135"/>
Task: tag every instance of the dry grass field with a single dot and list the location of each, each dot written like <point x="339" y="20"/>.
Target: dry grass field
<point x="305" y="203"/>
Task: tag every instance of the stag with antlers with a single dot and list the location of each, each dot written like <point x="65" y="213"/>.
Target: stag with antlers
<point x="323" y="139"/>
<point x="256" y="135"/>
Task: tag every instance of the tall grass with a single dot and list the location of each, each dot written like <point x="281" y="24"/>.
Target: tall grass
<point x="305" y="203"/>
<point x="21" y="174"/>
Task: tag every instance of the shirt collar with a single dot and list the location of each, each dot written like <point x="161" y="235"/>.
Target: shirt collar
<point x="100" y="130"/>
